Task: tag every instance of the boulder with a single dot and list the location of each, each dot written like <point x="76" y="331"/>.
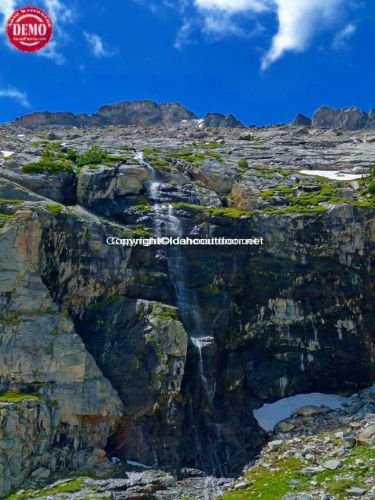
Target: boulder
<point x="333" y="464"/>
<point x="367" y="436"/>
<point x="312" y="411"/>
<point x="110" y="183"/>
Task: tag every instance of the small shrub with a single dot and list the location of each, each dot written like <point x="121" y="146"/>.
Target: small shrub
<point x="243" y="163"/>
<point x="94" y="156"/>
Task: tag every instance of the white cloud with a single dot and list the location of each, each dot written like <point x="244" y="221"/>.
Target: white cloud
<point x="15" y="94"/>
<point x="59" y="11"/>
<point x="233" y="6"/>
<point x="344" y="36"/>
<point x="96" y="45"/>
<point x="299" y="21"/>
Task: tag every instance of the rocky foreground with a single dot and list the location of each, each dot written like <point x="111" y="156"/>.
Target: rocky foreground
<point x="158" y="355"/>
<point x="318" y="453"/>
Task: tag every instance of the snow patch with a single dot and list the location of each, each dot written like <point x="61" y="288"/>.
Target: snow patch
<point x="137" y="464"/>
<point x="269" y="415"/>
<point x="7" y="154"/>
<point x="334" y="175"/>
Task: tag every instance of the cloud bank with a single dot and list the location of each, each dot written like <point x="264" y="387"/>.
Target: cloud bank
<point x="299" y="21"/>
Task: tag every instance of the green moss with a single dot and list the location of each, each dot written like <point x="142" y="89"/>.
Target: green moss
<point x="65" y="487"/>
<point x="243" y="164"/>
<point x="6" y="217"/>
<point x="141" y="232"/>
<point x="271" y="484"/>
<point x="213" y="145"/>
<point x="194" y="157"/>
<point x="232" y="212"/>
<point x="144" y="207"/>
<point x="10" y="202"/>
<point x="54" y="208"/>
<point x="295" y="210"/>
<point x="153" y="156"/>
<point x="11" y="319"/>
<point x="338" y="487"/>
<point x="190" y="207"/>
<point x="17" y="397"/>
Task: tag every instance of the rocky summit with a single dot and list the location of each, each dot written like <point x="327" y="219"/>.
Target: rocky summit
<point x="133" y="371"/>
<point x="150" y="114"/>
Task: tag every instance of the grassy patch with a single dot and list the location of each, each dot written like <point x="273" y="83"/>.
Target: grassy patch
<point x="195" y="157"/>
<point x="243" y="164"/>
<point x="16" y="397"/>
<point x="56" y="159"/>
<point x="271" y="484"/>
<point x="153" y="156"/>
<point x="10" y="202"/>
<point x="299" y="210"/>
<point x="6" y="217"/>
<point x="141" y="232"/>
<point x="65" y="487"/>
<point x="232" y="212"/>
<point x="54" y="209"/>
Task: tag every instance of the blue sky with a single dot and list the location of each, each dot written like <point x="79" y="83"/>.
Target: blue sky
<point x="262" y="60"/>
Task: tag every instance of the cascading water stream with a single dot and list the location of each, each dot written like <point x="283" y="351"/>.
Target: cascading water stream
<point x="166" y="223"/>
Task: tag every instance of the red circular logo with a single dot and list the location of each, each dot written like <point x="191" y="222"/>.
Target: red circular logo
<point x="29" y="29"/>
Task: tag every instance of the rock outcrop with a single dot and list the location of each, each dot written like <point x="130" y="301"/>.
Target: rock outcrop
<point x="217" y="120"/>
<point x="302" y="121"/>
<point x="345" y="119"/>
<point x="74" y="407"/>
<point x="137" y="113"/>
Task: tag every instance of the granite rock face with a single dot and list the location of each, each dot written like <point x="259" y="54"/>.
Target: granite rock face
<point x="345" y="119"/>
<point x="76" y="407"/>
<point x="137" y="113"/>
<point x="158" y="354"/>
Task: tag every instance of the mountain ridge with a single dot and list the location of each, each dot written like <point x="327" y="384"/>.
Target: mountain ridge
<point x="152" y="114"/>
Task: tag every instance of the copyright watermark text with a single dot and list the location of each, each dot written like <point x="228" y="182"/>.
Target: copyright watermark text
<point x="185" y="241"/>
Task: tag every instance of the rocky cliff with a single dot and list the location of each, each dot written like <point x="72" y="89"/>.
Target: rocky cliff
<point x="341" y="119"/>
<point x="150" y="114"/>
<point x="159" y="354"/>
<point x="136" y="113"/>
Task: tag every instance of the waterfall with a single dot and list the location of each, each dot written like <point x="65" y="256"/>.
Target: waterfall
<point x="166" y="223"/>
